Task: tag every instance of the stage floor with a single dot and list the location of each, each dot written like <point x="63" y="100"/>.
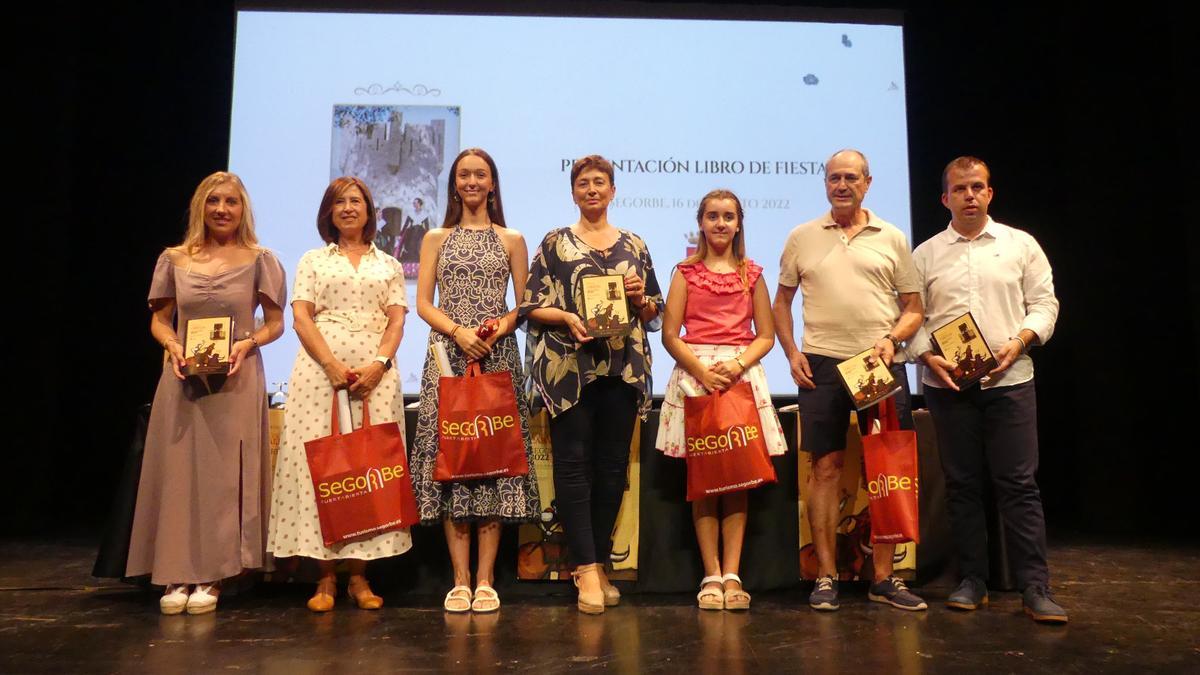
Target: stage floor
<point x="1133" y="608"/>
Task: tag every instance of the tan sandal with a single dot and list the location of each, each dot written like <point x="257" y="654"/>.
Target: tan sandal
<point x="360" y="590"/>
<point x="458" y="600"/>
<point x="588" y="603"/>
<point x="735" y="598"/>
<point x="322" y="600"/>
<point x="486" y="599"/>
<point x="612" y="596"/>
<point x="710" y="597"/>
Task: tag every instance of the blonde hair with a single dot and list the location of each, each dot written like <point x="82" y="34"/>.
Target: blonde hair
<point x="739" y="237"/>
<point x="197" y="234"/>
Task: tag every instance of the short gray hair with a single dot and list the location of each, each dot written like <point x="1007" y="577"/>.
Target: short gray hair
<point x="866" y="166"/>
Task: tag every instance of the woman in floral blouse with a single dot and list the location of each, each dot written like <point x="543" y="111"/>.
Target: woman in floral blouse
<point x="593" y="387"/>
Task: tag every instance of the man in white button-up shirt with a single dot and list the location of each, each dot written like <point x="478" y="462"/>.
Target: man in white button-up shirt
<point x="1002" y="277"/>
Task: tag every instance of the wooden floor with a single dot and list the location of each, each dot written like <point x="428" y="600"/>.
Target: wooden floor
<point x="1133" y="609"/>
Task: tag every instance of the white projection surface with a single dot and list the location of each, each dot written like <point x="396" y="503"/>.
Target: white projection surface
<point x="680" y="106"/>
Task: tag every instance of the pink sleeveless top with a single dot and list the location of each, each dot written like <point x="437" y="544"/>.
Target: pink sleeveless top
<point x="720" y="308"/>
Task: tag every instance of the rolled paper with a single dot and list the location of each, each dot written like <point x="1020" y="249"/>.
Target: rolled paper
<point x="345" y="422"/>
<point x="441" y="359"/>
<point x="688" y="389"/>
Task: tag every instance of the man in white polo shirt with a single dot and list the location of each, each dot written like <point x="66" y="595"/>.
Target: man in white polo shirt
<point x="860" y="291"/>
<point x="1002" y="277"/>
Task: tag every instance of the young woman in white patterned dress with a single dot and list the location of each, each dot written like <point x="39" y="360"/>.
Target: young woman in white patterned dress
<point x="715" y="296"/>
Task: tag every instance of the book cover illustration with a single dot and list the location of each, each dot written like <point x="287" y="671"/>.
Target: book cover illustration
<point x="962" y="343"/>
<point x="867" y="384"/>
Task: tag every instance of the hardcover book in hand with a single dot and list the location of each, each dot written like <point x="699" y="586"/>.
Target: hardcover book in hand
<point x="961" y="343"/>
<point x="605" y="309"/>
<point x="867" y="384"/>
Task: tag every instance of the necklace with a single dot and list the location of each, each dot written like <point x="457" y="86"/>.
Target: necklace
<point x="589" y="250"/>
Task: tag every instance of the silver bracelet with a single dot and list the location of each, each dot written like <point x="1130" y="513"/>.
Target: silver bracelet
<point x="1024" y="346"/>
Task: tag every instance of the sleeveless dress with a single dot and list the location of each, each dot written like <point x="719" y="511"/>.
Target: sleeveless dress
<point x="716" y="299"/>
<point x="205" y="487"/>
<point x="472" y="279"/>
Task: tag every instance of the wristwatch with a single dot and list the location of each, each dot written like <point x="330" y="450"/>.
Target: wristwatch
<point x="387" y="363"/>
<point x="894" y="340"/>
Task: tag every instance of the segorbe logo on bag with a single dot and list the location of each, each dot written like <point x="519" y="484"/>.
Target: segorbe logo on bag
<point x="351" y="486"/>
<point x="883" y="485"/>
<point x="479" y="426"/>
<point x="737" y="436"/>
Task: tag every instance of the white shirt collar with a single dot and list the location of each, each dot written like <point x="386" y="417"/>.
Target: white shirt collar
<point x="332" y="249"/>
<point x="952" y="236"/>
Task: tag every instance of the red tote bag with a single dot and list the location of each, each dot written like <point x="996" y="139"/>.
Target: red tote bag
<point x="479" y="427"/>
<point x="361" y="481"/>
<point x="890" y="461"/>
<point x="724" y="442"/>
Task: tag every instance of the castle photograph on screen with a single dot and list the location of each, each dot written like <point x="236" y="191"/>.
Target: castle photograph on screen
<point x="612" y="208"/>
<point x="400" y="151"/>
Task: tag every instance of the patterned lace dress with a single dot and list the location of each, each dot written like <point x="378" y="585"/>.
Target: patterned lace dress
<point x="472" y="282"/>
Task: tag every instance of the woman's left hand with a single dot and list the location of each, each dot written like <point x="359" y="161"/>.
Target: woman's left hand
<point x="237" y="354"/>
<point x="369" y="377"/>
<point x="635" y="289"/>
<point x="729" y="369"/>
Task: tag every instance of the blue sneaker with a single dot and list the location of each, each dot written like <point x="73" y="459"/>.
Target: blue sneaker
<point x="892" y="591"/>
<point x="1039" y="605"/>
<point x="824" y="595"/>
<point x="970" y="594"/>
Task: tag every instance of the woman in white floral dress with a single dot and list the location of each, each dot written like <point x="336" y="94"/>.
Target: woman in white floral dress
<point x="348" y="308"/>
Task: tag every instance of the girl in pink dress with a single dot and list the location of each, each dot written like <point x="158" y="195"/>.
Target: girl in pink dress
<point x="719" y="299"/>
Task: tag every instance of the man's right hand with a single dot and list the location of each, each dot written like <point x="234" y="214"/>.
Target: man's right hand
<point x="940" y="367"/>
<point x="801" y="373"/>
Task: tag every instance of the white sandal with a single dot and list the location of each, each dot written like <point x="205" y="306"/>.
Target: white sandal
<point x="486" y="599"/>
<point x="203" y="600"/>
<point x="173" y="599"/>
<point x="455" y="596"/>
<point x="706" y="595"/>
<point x="737" y="598"/>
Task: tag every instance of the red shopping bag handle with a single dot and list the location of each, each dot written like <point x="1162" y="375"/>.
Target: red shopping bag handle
<point x="885" y="412"/>
<point x="472" y="370"/>
<point x="366" y="422"/>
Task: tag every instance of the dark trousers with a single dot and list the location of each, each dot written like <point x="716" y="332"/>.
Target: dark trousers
<point x="992" y="430"/>
<point x="590" y="449"/>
